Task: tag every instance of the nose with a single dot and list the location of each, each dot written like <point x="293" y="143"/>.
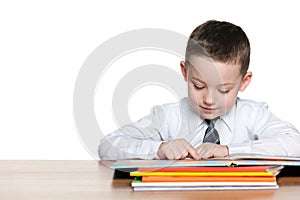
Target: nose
<point x="208" y="98"/>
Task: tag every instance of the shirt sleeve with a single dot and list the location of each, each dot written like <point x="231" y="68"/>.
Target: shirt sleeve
<point x="270" y="135"/>
<point x="139" y="140"/>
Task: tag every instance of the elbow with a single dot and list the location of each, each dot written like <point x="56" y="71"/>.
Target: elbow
<point x="103" y="149"/>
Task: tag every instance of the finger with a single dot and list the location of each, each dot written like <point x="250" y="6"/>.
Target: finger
<point x="207" y="155"/>
<point x="191" y="150"/>
<point x="169" y="155"/>
<point x="202" y="151"/>
<point x="181" y="153"/>
<point x="185" y="155"/>
<point x="181" y="150"/>
<point x="207" y="151"/>
<point x="201" y="154"/>
<point x="177" y="153"/>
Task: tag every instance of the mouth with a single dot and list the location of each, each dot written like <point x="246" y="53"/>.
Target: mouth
<point x="208" y="109"/>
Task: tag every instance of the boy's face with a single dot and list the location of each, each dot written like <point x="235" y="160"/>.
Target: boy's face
<point x="213" y="86"/>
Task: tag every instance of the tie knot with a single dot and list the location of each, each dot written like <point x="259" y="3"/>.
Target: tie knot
<point x="211" y="123"/>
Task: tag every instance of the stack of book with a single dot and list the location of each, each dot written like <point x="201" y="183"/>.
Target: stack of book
<point x="205" y="178"/>
<point x="235" y="172"/>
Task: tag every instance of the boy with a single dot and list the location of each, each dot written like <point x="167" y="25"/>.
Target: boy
<point x="212" y="121"/>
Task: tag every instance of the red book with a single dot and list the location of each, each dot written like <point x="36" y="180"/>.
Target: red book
<point x="214" y="169"/>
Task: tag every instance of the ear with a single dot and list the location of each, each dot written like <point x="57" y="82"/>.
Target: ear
<point x="183" y="70"/>
<point x="246" y="81"/>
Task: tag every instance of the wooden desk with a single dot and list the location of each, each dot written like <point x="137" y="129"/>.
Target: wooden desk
<point x="92" y="180"/>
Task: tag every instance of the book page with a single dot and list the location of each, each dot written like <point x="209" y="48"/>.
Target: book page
<point x="253" y="156"/>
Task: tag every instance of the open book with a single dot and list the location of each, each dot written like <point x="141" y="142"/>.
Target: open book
<point x="232" y="160"/>
<point x="253" y="156"/>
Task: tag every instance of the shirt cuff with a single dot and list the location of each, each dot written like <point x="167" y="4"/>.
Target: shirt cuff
<point x="151" y="147"/>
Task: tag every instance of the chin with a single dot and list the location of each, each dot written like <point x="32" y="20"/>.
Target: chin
<point x="207" y="116"/>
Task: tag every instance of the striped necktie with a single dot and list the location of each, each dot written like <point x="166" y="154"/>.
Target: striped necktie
<point x="211" y="134"/>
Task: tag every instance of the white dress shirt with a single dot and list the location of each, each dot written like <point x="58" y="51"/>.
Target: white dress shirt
<point x="249" y="127"/>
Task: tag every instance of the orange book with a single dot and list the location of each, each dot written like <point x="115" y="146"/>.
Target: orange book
<point x="213" y="169"/>
<point x="208" y="179"/>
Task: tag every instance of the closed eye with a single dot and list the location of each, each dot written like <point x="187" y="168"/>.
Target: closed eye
<point x="197" y="87"/>
<point x="224" y="91"/>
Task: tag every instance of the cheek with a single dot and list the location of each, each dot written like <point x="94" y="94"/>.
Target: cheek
<point x="229" y="101"/>
<point x="194" y="96"/>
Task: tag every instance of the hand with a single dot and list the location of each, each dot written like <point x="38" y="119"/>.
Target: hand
<point x="177" y="149"/>
<point x="211" y="150"/>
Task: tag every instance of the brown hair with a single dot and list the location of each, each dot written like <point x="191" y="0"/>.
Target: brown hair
<point x="221" y="41"/>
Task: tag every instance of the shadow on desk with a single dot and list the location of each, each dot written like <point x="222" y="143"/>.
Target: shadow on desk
<point x="124" y="174"/>
<point x="289" y="171"/>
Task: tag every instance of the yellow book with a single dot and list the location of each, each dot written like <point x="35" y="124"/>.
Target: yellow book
<point x="137" y="173"/>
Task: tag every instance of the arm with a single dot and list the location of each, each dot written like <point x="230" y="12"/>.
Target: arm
<point x="269" y="135"/>
<point x="139" y="140"/>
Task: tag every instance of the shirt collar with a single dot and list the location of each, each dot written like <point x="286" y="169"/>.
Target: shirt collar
<point x="228" y="118"/>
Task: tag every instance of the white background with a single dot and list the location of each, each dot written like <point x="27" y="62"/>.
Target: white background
<point x="43" y="46"/>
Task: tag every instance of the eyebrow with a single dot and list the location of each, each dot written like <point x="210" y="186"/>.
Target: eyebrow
<point x="197" y="79"/>
<point x="225" y="84"/>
